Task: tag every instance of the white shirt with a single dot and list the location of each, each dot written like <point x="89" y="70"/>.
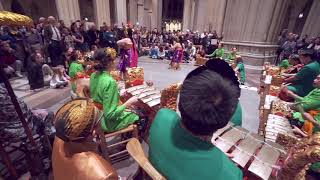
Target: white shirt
<point x="55" y="33"/>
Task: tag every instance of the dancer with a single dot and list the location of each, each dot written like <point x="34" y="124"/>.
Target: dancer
<point x="239" y="69"/>
<point x="125" y="54"/>
<point x="105" y="93"/>
<point x="133" y="51"/>
<point x="178" y="53"/>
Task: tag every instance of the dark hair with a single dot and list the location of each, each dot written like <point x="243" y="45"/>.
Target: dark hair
<point x="207" y="102"/>
<point x="102" y="59"/>
<point x="307" y="52"/>
<point x="294" y="57"/>
<point x="72" y="27"/>
<point x="239" y="60"/>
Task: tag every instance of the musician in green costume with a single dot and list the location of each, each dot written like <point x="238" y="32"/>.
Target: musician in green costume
<point x="180" y="147"/>
<point x="105" y="93"/>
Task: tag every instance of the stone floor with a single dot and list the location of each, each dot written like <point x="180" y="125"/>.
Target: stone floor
<point x="156" y="71"/>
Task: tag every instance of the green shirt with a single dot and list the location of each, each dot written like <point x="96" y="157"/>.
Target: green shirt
<point x="218" y="53"/>
<point x="74" y="68"/>
<point x="237" y="116"/>
<point x="304" y="83"/>
<point x="310" y="102"/>
<point x="284" y="64"/>
<point x="242" y="71"/>
<point x="230" y="57"/>
<point x="178" y="155"/>
<point x="104" y="90"/>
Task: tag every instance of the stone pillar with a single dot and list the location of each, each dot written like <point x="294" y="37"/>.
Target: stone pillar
<point x="121" y="12"/>
<point x="201" y="15"/>
<point x="312" y="25"/>
<point x="133" y="11"/>
<point x="216" y="10"/>
<point x="68" y="10"/>
<point x="186" y="15"/>
<point x="102" y="12"/>
<point x="1" y="7"/>
<point x="159" y="24"/>
<point x="252" y="27"/>
<point x="156" y="18"/>
<point x="140" y="12"/>
<point x="147" y="13"/>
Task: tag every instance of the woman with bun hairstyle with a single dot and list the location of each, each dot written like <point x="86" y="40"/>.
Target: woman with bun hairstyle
<point x="105" y="94"/>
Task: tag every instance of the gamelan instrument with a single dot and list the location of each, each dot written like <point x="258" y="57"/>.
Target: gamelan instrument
<point x="148" y="103"/>
<point x="275" y="125"/>
<point x="257" y="158"/>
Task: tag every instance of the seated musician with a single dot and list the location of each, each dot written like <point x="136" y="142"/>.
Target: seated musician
<point x="180" y="147"/>
<point x="231" y="55"/>
<point x="76" y="69"/>
<point x="294" y="65"/>
<point x="105" y="93"/>
<point x="239" y="69"/>
<point x="74" y="154"/>
<point x="307" y="110"/>
<point x="302" y="82"/>
<point x="219" y="52"/>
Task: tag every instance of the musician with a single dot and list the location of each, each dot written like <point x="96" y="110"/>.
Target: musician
<point x="239" y="69"/>
<point x="302" y="82"/>
<point x="294" y="65"/>
<point x="181" y="148"/>
<point x="219" y="52"/>
<point x="76" y="69"/>
<point x="231" y="55"/>
<point x="105" y="93"/>
<point x="74" y="154"/>
<point x="308" y="109"/>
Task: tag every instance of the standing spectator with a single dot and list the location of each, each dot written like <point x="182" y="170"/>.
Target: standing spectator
<point x="77" y="37"/>
<point x="67" y="39"/>
<point x="133" y="51"/>
<point x="93" y="36"/>
<point x="53" y="39"/>
<point x="86" y="38"/>
<point x="289" y="47"/>
<point x="33" y="40"/>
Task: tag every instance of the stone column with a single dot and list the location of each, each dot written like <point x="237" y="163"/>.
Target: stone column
<point x="252" y="27"/>
<point x="147" y="14"/>
<point x="216" y="10"/>
<point x="133" y="11"/>
<point x="186" y="15"/>
<point x="121" y="12"/>
<point x="156" y="18"/>
<point x="201" y="16"/>
<point x="68" y="10"/>
<point x="102" y="12"/>
<point x="312" y="25"/>
<point x="140" y="12"/>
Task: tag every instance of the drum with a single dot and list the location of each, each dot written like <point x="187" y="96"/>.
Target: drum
<point x="251" y="153"/>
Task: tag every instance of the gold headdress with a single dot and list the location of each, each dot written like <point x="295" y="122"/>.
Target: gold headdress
<point x="112" y="52"/>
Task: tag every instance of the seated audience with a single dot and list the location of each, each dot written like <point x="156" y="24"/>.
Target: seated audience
<point x="161" y="53"/>
<point x="181" y="148"/>
<point x="35" y="74"/>
<point x="154" y="51"/>
<point x="12" y="66"/>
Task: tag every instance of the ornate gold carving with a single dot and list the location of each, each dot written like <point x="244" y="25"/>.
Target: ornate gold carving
<point x="169" y="96"/>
